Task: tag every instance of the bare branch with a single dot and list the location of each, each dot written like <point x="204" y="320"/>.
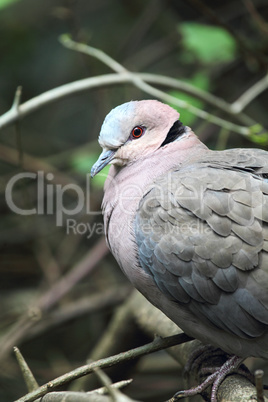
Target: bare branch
<point x="66" y="41"/>
<point x="26" y="372"/>
<point x="124" y="76"/>
<point x="32" y="164"/>
<point x="55" y="94"/>
<point x="52" y="296"/>
<point x="17" y="98"/>
<point x="97" y="395"/>
<point x="139" y="83"/>
<point x="259" y="385"/>
<point x="242" y="102"/>
<point x="157" y="344"/>
<point x="151" y="320"/>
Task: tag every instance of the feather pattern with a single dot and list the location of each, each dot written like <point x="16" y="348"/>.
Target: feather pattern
<point x="189" y="226"/>
<point x="213" y="206"/>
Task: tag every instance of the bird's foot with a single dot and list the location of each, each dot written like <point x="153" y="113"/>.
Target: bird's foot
<point x="241" y="370"/>
<point x="200" y="355"/>
<point x="214" y="379"/>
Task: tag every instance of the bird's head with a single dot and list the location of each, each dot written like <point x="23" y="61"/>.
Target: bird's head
<point x="136" y="129"/>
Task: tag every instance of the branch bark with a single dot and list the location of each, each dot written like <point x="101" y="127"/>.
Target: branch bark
<point x="154" y="346"/>
<point x="124" y="76"/>
<point x="234" y="388"/>
<point x="51" y="297"/>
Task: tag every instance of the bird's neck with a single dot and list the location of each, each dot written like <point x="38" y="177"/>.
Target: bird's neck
<point x="133" y="179"/>
<point x="125" y="187"/>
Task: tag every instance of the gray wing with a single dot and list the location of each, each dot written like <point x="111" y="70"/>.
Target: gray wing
<point x="202" y="233"/>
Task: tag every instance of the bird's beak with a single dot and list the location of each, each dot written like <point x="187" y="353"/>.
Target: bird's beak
<point x="104" y="158"/>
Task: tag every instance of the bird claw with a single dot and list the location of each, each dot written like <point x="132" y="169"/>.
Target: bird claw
<point x="199" y="356"/>
<point x="195" y="390"/>
<point x="214" y="379"/>
<point x="242" y="370"/>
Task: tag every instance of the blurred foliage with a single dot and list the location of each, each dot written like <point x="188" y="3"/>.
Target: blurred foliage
<point x="209" y="44"/>
<point x="6" y="3"/>
<point x="224" y="52"/>
<point x="199" y="80"/>
<point x="82" y="164"/>
<point x="261" y="138"/>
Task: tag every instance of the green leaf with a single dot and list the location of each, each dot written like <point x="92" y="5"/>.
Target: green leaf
<point x="6" y="3"/>
<point x="258" y="135"/>
<point x="83" y="162"/>
<point x="209" y="44"/>
<point x="99" y="180"/>
<point x="200" y="80"/>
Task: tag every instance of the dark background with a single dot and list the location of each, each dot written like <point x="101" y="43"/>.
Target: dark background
<point x="144" y="36"/>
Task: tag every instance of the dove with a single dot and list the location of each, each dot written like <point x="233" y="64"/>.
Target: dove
<point x="189" y="226"/>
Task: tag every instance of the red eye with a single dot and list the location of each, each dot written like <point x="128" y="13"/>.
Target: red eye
<point x="137" y="132"/>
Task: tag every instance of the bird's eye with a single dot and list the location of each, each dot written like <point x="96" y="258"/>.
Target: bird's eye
<point x="137" y="132"/>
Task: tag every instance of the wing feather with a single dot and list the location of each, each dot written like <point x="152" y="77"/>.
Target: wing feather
<point x="202" y="233"/>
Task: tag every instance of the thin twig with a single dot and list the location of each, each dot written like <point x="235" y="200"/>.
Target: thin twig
<point x="151" y="321"/>
<point x="17" y="98"/>
<point x="139" y="83"/>
<point x="156" y="345"/>
<point x="52" y="296"/>
<point x="257" y="18"/>
<point x="184" y="105"/>
<point x="26" y="372"/>
<point x="85" y="84"/>
<point x="259" y="385"/>
<point x="81" y="396"/>
<point x="32" y="164"/>
<point x="187" y="88"/>
<point x="66" y="41"/>
<point x="96" y="302"/>
<point x="117" y="385"/>
<point x="15" y="106"/>
<point x="248" y="96"/>
<point x="122" y="78"/>
<point x="12" y="115"/>
<point x="244" y="43"/>
<point x="139" y="79"/>
<point x="115" y="393"/>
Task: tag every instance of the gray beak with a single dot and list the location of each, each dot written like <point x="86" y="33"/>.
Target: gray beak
<point x="104" y="158"/>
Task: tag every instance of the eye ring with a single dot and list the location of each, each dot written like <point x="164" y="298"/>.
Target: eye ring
<point x="137" y="132"/>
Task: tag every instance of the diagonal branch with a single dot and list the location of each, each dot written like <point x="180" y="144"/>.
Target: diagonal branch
<point x="154" y="346"/>
<point x="242" y="102"/>
<point x="140" y="80"/>
<point x="48" y="299"/>
<point x="141" y="84"/>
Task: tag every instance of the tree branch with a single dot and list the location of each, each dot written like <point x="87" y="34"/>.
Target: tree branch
<point x="55" y="94"/>
<point x="154" y="346"/>
<point x="48" y="299"/>
<point x="250" y="94"/>
<point x="124" y="76"/>
<point x="234" y="387"/>
<point x="26" y="372"/>
<point x="141" y="84"/>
